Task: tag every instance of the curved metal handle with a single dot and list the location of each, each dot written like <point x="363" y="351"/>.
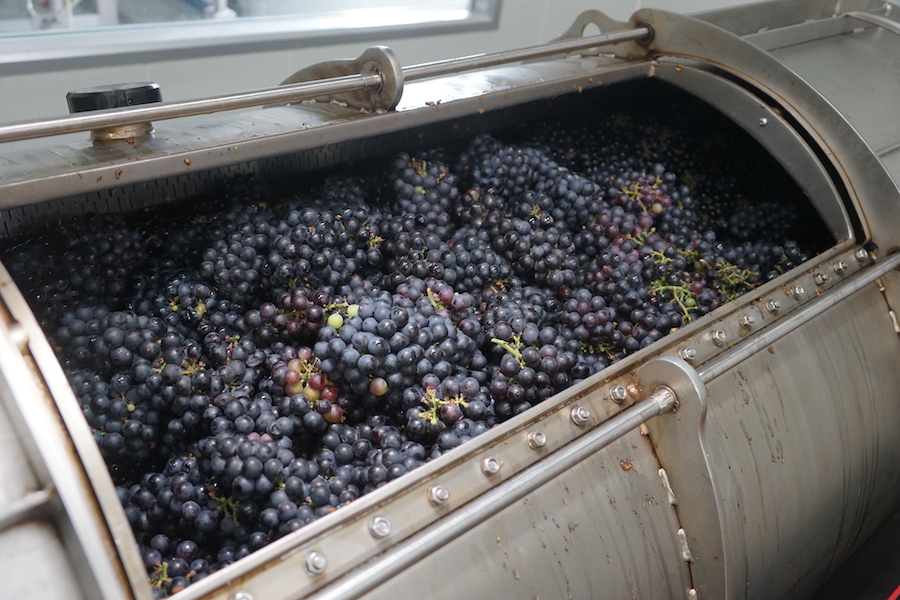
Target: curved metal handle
<point x="132" y="115"/>
<point x="873" y="19"/>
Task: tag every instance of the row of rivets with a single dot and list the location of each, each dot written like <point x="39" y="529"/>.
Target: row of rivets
<point x="380" y="527"/>
<point x="719" y="337"/>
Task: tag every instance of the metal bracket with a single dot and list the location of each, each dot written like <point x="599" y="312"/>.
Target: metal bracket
<point x="606" y="25"/>
<point x="591" y="17"/>
<point x="377" y="60"/>
<point x="678" y="441"/>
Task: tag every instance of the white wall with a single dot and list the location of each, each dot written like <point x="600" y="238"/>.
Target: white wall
<point x="522" y="23"/>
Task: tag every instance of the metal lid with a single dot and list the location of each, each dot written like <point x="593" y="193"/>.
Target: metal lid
<point x="113" y="96"/>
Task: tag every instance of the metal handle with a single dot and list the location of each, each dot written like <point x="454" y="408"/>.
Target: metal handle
<point x="482" y="508"/>
<point x="873" y="19"/>
<point x="119" y="117"/>
<point x="480" y="61"/>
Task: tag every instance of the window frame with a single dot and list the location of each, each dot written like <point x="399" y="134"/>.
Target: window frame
<point x="55" y="49"/>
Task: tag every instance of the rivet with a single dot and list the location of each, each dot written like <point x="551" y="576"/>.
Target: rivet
<point x="379" y="527"/>
<point x="241" y="595"/>
<point x="839" y="267"/>
<point x="746" y="321"/>
<point x="862" y="255"/>
<point x="718" y="337"/>
<point x="687" y="354"/>
<point x="438" y="494"/>
<point x="797" y="292"/>
<point x="618" y="393"/>
<point x="315" y="563"/>
<point x="773" y="306"/>
<point x="536" y="439"/>
<point x="580" y="414"/>
<point x="490" y="465"/>
<point x="763" y="122"/>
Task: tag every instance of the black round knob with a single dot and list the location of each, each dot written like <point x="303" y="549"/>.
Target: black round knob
<point x="113" y="96"/>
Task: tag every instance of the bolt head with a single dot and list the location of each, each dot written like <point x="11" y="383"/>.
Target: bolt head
<point x="718" y="337"/>
<point x="773" y="306"/>
<point x="839" y="267"/>
<point x="379" y="527"/>
<point x="862" y="255"/>
<point x="315" y="564"/>
<point x="536" y="439"/>
<point x="687" y="354"/>
<point x="763" y="122"/>
<point x="797" y="292"/>
<point x="438" y="494"/>
<point x="746" y="321"/>
<point x="580" y="414"/>
<point x="618" y="394"/>
<point x="490" y="465"/>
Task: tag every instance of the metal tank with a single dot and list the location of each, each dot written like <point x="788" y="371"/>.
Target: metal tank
<point x="746" y="455"/>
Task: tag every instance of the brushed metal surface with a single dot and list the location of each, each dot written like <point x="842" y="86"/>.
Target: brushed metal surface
<point x="801" y="448"/>
<point x="574" y="537"/>
<point x="802" y="437"/>
<point x="859" y="73"/>
<point x="53" y="434"/>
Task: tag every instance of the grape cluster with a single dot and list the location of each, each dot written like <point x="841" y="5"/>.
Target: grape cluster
<point x="252" y="363"/>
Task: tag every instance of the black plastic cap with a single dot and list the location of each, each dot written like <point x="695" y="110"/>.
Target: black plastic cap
<point x="113" y="96"/>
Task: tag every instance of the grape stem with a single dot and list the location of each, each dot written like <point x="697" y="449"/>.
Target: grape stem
<point x="435" y="404"/>
<point x="680" y="295"/>
<point x="228" y="506"/>
<point x="160" y="577"/>
<point x="514" y="348"/>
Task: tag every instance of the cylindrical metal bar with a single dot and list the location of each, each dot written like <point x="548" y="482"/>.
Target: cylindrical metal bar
<point x="118" y="117"/>
<point x="24" y="508"/>
<point x="479" y="510"/>
<point x="873" y="19"/>
<point x="480" y="61"/>
<point x="817" y="306"/>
